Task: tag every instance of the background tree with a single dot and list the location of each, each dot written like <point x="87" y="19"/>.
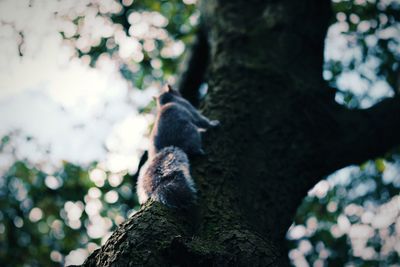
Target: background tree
<point x="282" y="132"/>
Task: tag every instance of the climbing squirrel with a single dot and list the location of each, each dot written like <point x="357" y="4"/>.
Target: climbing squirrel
<point x="178" y="124"/>
<point x="165" y="177"/>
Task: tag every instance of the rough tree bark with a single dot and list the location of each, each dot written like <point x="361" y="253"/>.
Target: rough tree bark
<point x="281" y="133"/>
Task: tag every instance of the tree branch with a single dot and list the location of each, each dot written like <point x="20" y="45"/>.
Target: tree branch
<point x="142" y="239"/>
<point x="365" y="134"/>
<point x="195" y="69"/>
<point x="159" y="236"/>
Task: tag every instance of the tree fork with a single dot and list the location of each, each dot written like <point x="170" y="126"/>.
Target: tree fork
<point x="280" y="133"/>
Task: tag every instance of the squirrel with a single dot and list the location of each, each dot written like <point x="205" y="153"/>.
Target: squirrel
<point x="179" y="124"/>
<point x="165" y="177"/>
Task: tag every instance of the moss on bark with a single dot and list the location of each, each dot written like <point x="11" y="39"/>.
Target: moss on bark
<point x="280" y="133"/>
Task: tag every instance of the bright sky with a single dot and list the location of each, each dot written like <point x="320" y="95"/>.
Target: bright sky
<point x="72" y="110"/>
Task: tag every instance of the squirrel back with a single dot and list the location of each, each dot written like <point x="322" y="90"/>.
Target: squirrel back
<point x="166" y="179"/>
<point x="178" y="124"/>
<point x="174" y="127"/>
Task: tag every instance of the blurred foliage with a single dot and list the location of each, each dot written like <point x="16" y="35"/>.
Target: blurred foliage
<point x="156" y="32"/>
<point x="46" y="215"/>
<point x="351" y="219"/>
<point x="43" y="217"/>
<point x="371" y="32"/>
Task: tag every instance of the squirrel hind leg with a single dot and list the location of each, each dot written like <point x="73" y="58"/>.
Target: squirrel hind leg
<point x="192" y="141"/>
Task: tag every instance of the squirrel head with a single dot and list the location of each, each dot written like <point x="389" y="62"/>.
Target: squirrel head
<point x="167" y="95"/>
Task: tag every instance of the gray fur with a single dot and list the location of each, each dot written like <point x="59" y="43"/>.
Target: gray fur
<point x="178" y="124"/>
<point x="166" y="178"/>
<point x="176" y="135"/>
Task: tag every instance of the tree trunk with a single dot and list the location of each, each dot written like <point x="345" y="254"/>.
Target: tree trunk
<point x="281" y="132"/>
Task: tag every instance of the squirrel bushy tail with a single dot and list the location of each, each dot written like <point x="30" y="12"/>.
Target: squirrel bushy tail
<point x="167" y="179"/>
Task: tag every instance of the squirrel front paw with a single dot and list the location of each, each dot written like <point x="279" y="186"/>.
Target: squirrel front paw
<point x="215" y="123"/>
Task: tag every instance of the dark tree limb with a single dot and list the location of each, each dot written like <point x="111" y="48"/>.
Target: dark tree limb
<point x="195" y="68"/>
<point x="280" y="134"/>
<point x="245" y="182"/>
<point x="365" y="134"/>
<point x="150" y="232"/>
<point x="162" y="237"/>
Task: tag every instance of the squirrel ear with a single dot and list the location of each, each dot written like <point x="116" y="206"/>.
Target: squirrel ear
<point x="168" y="88"/>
